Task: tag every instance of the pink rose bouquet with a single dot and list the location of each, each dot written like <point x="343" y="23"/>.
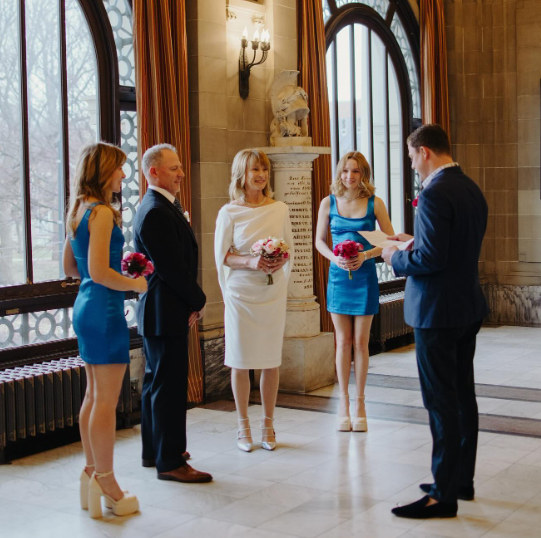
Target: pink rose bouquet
<point x="135" y="264"/>
<point x="348" y="249"/>
<point x="269" y="248"/>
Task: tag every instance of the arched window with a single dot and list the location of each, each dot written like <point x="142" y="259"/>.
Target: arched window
<point x="66" y="79"/>
<point x="374" y="97"/>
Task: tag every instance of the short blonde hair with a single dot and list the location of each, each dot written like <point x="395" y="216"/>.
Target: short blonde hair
<point x="243" y="160"/>
<point x="367" y="187"/>
<point x="95" y="168"/>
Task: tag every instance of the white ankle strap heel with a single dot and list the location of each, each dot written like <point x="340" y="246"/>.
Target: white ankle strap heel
<point x="267" y="445"/>
<point x="245" y="446"/>
<point x="128" y="504"/>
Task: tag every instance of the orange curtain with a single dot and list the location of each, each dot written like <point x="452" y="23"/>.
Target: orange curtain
<point x="313" y="78"/>
<point x="161" y="67"/>
<point x="434" y="86"/>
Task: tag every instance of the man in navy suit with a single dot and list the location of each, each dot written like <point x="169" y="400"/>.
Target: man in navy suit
<point x="445" y="305"/>
<point x="173" y="302"/>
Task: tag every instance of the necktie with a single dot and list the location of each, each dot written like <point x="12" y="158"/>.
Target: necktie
<point x="178" y="206"/>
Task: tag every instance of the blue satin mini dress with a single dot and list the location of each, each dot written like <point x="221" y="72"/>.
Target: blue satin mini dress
<point x="359" y="296"/>
<point x="98" y="312"/>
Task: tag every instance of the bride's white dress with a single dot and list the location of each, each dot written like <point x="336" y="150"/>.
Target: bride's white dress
<point x="255" y="314"/>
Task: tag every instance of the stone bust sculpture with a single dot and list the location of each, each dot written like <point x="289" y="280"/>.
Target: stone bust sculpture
<point x="290" y="108"/>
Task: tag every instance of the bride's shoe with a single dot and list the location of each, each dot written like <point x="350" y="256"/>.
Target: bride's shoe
<point x="343" y="424"/>
<point x="83" y="489"/>
<point x="246" y="446"/>
<point x="125" y="506"/>
<point x="267" y="445"/>
<point x="359" y="424"/>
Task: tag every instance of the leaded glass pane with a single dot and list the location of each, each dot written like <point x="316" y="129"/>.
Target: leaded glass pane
<point x="130" y="187"/>
<point x="362" y="91"/>
<point x="381" y="6"/>
<point x="326" y="11"/>
<point x="345" y="120"/>
<point x="45" y="137"/>
<point x="120" y="17"/>
<point x="396" y="151"/>
<point x="400" y="34"/>
<point x="12" y="253"/>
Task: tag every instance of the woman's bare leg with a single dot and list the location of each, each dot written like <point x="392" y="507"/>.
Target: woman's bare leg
<point x="361" y="337"/>
<point x="84" y="419"/>
<point x="343" y="326"/>
<point x="240" y="383"/>
<point x="270" y="378"/>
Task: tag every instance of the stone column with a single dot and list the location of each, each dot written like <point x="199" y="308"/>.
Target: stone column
<point x="308" y="355"/>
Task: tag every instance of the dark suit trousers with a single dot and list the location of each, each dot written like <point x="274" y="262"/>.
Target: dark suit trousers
<point x="164" y="400"/>
<point x="445" y="362"/>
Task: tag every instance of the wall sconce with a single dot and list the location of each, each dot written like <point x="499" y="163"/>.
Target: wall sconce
<point x="244" y="67"/>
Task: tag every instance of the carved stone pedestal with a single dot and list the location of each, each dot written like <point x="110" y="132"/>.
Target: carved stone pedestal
<point x="308" y="355"/>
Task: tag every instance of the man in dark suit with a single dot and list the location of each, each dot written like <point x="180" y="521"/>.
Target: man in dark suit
<point x="445" y="305"/>
<point x="173" y="302"/>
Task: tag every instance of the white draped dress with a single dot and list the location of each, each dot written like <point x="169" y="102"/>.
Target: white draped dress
<point x="255" y="313"/>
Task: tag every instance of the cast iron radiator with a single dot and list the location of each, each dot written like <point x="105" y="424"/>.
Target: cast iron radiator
<point x="44" y="397"/>
<point x="389" y="322"/>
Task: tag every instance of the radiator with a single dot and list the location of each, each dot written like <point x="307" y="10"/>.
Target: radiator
<point x="38" y="399"/>
<point x="389" y="322"/>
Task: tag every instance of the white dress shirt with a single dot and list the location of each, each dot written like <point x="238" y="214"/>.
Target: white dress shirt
<point x="428" y="179"/>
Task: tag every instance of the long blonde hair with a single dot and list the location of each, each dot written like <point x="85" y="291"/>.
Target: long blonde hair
<point x="367" y="188"/>
<point x="243" y="160"/>
<point x="96" y="165"/>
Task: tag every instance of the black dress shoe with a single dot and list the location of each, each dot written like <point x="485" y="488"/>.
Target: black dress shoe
<point x="420" y="510"/>
<point x="465" y="493"/>
<point x="152" y="463"/>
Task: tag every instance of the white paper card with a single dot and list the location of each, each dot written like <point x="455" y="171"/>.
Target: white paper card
<point x="379" y="239"/>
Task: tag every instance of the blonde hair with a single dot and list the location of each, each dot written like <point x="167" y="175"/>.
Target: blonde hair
<point x="243" y="160"/>
<point x="96" y="165"/>
<point x="367" y="187"/>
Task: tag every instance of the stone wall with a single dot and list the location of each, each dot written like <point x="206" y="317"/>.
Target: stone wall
<point x="494" y="79"/>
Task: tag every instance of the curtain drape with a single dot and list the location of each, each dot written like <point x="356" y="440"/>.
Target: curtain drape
<point x="434" y="85"/>
<point x="159" y="37"/>
<point x="313" y="78"/>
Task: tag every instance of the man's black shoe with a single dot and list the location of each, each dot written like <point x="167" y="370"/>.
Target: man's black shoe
<point x="420" y="510"/>
<point x="152" y="463"/>
<point x="465" y="493"/>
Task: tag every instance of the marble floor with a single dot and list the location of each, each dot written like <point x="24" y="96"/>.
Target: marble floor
<point x="317" y="483"/>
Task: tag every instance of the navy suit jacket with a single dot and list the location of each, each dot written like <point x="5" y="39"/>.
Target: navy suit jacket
<point x="442" y="288"/>
<point x="164" y="236"/>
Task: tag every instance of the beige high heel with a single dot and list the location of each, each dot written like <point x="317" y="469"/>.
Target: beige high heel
<point x="343" y="424"/>
<point x="359" y="424"/>
<point x="267" y="445"/>
<point x="128" y="504"/>
<point x="245" y="446"/>
<point x="83" y="489"/>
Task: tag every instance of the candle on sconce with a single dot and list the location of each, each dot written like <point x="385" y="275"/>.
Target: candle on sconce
<point x="256" y="36"/>
<point x="245" y="33"/>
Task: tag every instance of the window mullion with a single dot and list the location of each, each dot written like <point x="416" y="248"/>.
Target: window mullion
<point x="387" y="129"/>
<point x="353" y="93"/>
<point x="25" y="168"/>
<point x="63" y="198"/>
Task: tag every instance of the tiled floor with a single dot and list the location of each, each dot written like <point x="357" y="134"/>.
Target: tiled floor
<point x="317" y="483"/>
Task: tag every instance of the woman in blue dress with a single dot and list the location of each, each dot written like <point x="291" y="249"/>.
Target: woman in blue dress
<point x="93" y="252"/>
<point x="352" y="207"/>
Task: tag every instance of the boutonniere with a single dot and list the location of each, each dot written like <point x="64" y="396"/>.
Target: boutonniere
<point x="415" y="202"/>
<point x="186" y="216"/>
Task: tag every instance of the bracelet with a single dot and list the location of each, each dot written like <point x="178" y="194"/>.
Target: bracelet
<point x="365" y="254"/>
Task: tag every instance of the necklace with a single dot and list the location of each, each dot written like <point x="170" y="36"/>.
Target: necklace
<point x="248" y="204"/>
<point x="352" y="199"/>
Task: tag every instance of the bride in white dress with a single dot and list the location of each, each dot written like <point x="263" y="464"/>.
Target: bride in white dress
<point x="255" y="312"/>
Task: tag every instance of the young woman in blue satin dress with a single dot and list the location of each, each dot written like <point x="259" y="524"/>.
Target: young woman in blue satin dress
<point x="352" y="207"/>
<point x="93" y="252"/>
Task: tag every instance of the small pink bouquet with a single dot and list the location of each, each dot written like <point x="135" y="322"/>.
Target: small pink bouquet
<point x="348" y="249"/>
<point x="135" y="264"/>
<point x="269" y="248"/>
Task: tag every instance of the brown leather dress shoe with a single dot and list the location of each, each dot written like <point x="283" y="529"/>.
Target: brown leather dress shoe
<point x="187" y="474"/>
<point x="152" y="463"/>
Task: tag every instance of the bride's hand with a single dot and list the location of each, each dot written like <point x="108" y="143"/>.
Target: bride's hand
<point x="276" y="263"/>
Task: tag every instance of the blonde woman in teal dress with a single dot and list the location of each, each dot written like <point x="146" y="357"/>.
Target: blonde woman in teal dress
<point x="352" y="207"/>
